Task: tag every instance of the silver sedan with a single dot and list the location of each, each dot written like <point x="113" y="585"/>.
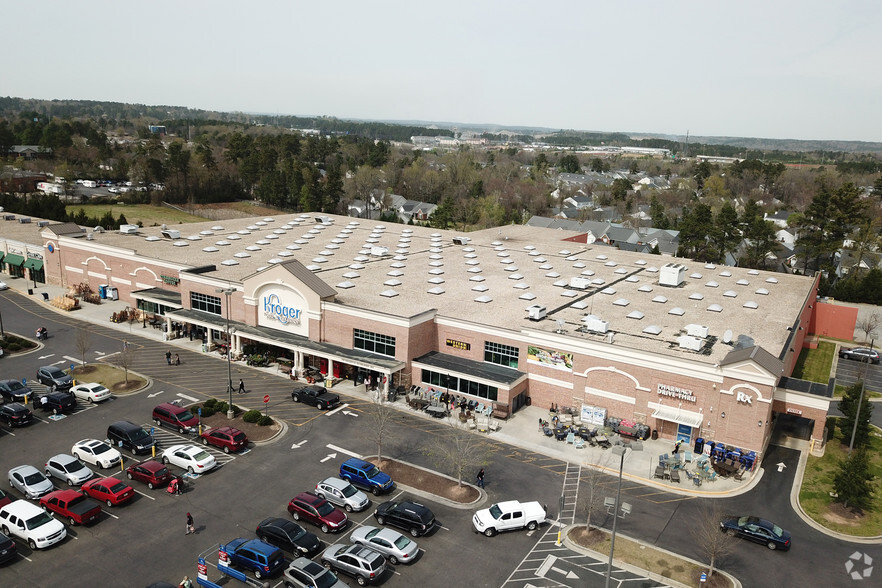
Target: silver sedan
<point x="68" y="468"/>
<point x="395" y="546"/>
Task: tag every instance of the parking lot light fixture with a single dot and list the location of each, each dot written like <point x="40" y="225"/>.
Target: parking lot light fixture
<point x="619" y="451"/>
<point x="228" y="292"/>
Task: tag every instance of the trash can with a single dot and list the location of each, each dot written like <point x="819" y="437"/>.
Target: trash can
<point x="112" y="293"/>
<point x="655" y="434"/>
<point x="102" y="291"/>
<point x="699" y="445"/>
<point x="529" y="401"/>
<point x="392" y="395"/>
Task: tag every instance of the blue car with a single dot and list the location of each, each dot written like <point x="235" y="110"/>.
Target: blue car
<point x="758" y="530"/>
<point x="366" y="475"/>
<point x="253" y="554"/>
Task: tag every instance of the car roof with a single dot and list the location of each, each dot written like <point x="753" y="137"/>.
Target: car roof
<point x="335" y="482"/>
<point x="309" y="497"/>
<point x="91" y="442"/>
<point x="64" y="458"/>
<point x="354" y="461"/>
<point x="284" y="524"/>
<point x="17" y="406"/>
<point x="24" y="469"/>
<point x="151" y="464"/>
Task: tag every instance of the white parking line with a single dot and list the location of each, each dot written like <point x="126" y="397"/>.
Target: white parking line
<point x="190" y="398"/>
<point x="142" y="494"/>
<point x="336" y="410"/>
<point x="72" y="359"/>
<point x="108" y="514"/>
<point x="341" y="450"/>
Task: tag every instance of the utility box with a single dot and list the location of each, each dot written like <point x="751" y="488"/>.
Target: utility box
<point x="537" y="313"/>
<point x="672" y="274"/>
<point x="102" y="291"/>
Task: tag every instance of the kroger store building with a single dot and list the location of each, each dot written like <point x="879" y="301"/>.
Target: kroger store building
<point x="512" y="315"/>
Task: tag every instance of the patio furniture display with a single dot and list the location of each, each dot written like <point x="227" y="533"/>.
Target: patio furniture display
<point x="660" y="472"/>
<point x="675" y="476"/>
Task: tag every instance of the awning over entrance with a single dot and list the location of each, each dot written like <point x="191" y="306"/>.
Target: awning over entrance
<point x="443" y="363"/>
<point x="354" y="357"/>
<point x="13" y="259"/>
<point x="34" y="264"/>
<point x="160" y="296"/>
<point x="679" y="416"/>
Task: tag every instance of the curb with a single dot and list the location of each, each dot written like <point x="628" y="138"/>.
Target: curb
<point x="482" y="495"/>
<point x="276" y="437"/>
<point x="565" y="532"/>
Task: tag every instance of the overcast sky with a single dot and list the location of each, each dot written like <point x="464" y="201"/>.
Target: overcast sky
<point x="777" y="69"/>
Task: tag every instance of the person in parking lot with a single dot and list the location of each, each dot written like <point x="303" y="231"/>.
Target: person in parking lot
<point x="190" y="527"/>
<point x="241" y="386"/>
<point x="168" y="357"/>
<point x="480" y="477"/>
<point x="177" y="359"/>
<point x="186" y="583"/>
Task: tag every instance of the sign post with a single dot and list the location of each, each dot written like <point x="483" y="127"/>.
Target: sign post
<point x="265" y="403"/>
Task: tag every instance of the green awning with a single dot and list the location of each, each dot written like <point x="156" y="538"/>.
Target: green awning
<point x="13" y="259"/>
<point x="34" y="264"/>
<point x="1" y="255"/>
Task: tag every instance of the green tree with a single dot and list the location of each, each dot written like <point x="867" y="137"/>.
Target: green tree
<point x="853" y="482"/>
<point x="657" y="211"/>
<point x="620" y="188"/>
<point x="598" y="165"/>
<point x="569" y="164"/>
<point x="696" y="227"/>
<point x="727" y="233"/>
<point x="826" y="222"/>
<point x="848" y="406"/>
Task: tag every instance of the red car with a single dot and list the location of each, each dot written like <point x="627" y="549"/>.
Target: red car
<point x="108" y="490"/>
<point x="4" y="498"/>
<point x="73" y="506"/>
<point x="151" y="472"/>
<point x="227" y="438"/>
<point x="318" y="511"/>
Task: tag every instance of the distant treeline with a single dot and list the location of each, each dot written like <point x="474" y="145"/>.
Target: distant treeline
<point x="50" y="207"/>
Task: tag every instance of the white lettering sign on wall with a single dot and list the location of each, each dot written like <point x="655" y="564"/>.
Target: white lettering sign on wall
<point x="674" y="392"/>
<point x="282" y="309"/>
<point x="742" y="397"/>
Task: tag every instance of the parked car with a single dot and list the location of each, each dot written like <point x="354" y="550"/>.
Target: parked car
<point x="177" y="417"/>
<point x="49" y="375"/>
<point x="4" y="286"/>
<point x="70" y="504"/>
<point x="508" y="515"/>
<point x="860" y="353"/>
<point x="14" y="391"/>
<point x="15" y="414"/>
<point x="305" y="573"/>
<point x="342" y="493"/>
<point x="318" y="511"/>
<point x="366" y="475"/>
<point x="96" y="452"/>
<point x="758" y="530"/>
<point x="56" y="402"/>
<point x="227" y="438"/>
<point x="151" y="472"/>
<point x="8" y="550"/>
<point x="110" y="491"/>
<point x="192" y="458"/>
<point x="68" y="468"/>
<point x="395" y="546"/>
<point x="362" y="563"/>
<point x="4" y="498"/>
<point x="131" y="436"/>
<point x="410" y="516"/>
<point x="255" y="555"/>
<point x="315" y="396"/>
<point x="30" y="481"/>
<point x="289" y="536"/>
<point x="31" y="523"/>
<point x="90" y="392"/>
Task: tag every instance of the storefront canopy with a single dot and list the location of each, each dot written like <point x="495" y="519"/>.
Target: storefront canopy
<point x="34" y="264"/>
<point x="13" y="259"/>
<point x="677" y="415"/>
<point x="356" y="357"/>
<point x="160" y="296"/>
<point x="467" y="368"/>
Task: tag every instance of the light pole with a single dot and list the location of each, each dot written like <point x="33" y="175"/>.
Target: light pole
<point x="857" y="414"/>
<point x="619" y="451"/>
<point x="228" y="292"/>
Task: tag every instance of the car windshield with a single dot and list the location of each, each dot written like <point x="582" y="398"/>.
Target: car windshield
<point x="778" y="531"/>
<point x="349" y="490"/>
<point x="73" y="466"/>
<point x="55" y="373"/>
<point x="118" y="487"/>
<point x="38" y="521"/>
<point x="495" y="511"/>
<point x="199" y="456"/>
<point x="239" y="437"/>
<point x="100" y="448"/>
<point x="185" y="416"/>
<point x="326" y="580"/>
<point x="402" y="542"/>
<point x="34" y="478"/>
<point x="325" y="508"/>
<point x="15" y="385"/>
<point x="372" y="471"/>
<point x="99" y="388"/>
<point x="139" y="435"/>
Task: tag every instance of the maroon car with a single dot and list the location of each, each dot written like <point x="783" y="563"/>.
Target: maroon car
<point x="151" y="472"/>
<point x="108" y="490"/>
<point x="76" y="508"/>
<point x="227" y="438"/>
<point x="318" y="511"/>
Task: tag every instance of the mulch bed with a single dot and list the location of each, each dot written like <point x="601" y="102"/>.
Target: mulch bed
<point x="428" y="481"/>
<point x="254" y="431"/>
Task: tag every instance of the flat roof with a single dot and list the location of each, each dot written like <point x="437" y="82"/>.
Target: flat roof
<point x="491" y="280"/>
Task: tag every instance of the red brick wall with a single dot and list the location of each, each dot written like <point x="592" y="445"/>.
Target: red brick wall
<point x="832" y="320"/>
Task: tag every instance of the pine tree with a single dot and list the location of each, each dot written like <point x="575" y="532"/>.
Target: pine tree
<point x="852" y="483"/>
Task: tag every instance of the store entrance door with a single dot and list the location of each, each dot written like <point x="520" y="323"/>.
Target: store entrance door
<point x="684" y="434"/>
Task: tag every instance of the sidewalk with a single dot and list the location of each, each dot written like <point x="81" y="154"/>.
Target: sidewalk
<point x="520" y="430"/>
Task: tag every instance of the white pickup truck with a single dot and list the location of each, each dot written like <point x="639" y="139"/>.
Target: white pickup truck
<point x="508" y="515"/>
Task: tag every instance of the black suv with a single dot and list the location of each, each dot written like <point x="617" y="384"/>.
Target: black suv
<point x="56" y="402"/>
<point x="14" y="391"/>
<point x="411" y="516"/>
<point x="15" y="414"/>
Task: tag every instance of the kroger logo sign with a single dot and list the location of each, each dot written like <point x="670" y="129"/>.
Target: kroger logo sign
<point x="274" y="309"/>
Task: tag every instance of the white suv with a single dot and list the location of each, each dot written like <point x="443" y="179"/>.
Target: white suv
<point x="342" y="493"/>
<point x="32" y="524"/>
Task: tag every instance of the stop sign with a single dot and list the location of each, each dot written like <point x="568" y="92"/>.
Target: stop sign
<point x="266" y="398"/>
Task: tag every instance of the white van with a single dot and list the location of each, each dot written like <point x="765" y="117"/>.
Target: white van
<point x="90" y="184"/>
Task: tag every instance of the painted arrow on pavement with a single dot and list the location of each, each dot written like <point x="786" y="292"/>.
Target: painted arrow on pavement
<point x="781" y="466"/>
<point x="299" y="445"/>
<point x="330" y="456"/>
<point x="155" y="394"/>
<point x="347" y="412"/>
<point x="45" y="356"/>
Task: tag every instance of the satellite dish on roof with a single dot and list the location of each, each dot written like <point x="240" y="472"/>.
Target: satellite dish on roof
<point x="727" y="336"/>
<point x="560" y="325"/>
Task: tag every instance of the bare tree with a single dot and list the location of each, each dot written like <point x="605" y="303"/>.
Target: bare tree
<point x="124" y="360"/>
<point x="868" y="324"/>
<point x="594" y="480"/>
<point x="381" y="417"/>
<point x="708" y="535"/>
<point x="83" y="343"/>
<point x="459" y="450"/>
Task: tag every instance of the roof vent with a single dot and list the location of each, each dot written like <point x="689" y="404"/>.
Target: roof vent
<point x="595" y="323"/>
<point x="672" y="274"/>
<point x="579" y="283"/>
<point x="687" y="342"/>
<point x="699" y="331"/>
<point x="171" y="234"/>
<point x="128" y="229"/>
<point x="379" y="251"/>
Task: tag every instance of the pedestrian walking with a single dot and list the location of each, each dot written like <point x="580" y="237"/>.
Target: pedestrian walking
<point x="190" y="527"/>
<point x="168" y="357"/>
<point x="186" y="583"/>
<point x="177" y="359"/>
<point x="480" y="477"/>
<point x="241" y="386"/>
<point x="677" y="446"/>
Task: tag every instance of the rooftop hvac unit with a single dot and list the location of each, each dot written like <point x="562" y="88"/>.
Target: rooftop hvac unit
<point x="42" y="223"/>
<point x="323" y="220"/>
<point x="89" y="236"/>
<point x="579" y="283"/>
<point x="595" y="323"/>
<point x="9" y="217"/>
<point x="171" y="234"/>
<point x="378" y="251"/>
<point x="24" y="220"/>
<point x="536" y="312"/>
<point x="671" y="274"/>
<point x="699" y="331"/>
<point x="687" y="342"/>
<point x="461" y="240"/>
<point x="128" y="229"/>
